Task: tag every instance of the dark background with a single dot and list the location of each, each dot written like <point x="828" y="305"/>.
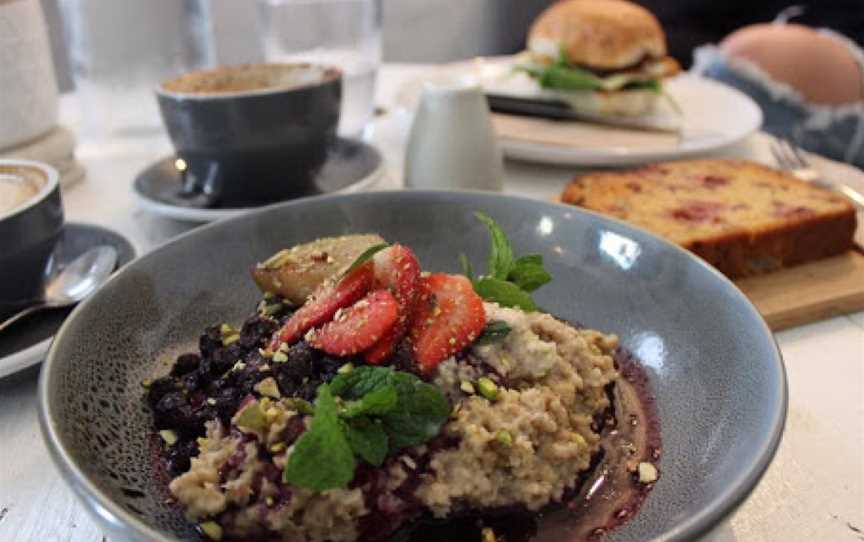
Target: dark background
<point x="690" y="23"/>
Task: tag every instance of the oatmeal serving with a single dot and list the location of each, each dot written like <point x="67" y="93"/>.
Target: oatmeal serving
<point x="365" y="397"/>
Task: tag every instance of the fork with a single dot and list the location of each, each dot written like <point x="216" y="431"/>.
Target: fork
<point x="791" y="158"/>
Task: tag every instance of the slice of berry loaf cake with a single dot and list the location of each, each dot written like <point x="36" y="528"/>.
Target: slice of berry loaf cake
<point x="744" y="218"/>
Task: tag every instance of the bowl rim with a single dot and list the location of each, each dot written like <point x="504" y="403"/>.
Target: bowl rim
<point x="736" y="491"/>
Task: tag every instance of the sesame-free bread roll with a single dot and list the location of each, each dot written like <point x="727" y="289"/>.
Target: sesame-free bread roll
<point x="744" y="218"/>
<point x="599" y="34"/>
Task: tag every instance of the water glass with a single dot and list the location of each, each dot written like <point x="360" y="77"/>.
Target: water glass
<point x="120" y="50"/>
<point x="341" y="33"/>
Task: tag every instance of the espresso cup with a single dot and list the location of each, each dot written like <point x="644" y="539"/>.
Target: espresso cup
<point x="251" y="134"/>
<point x="31" y="220"/>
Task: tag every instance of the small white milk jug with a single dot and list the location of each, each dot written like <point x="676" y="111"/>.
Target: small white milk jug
<point x="452" y="145"/>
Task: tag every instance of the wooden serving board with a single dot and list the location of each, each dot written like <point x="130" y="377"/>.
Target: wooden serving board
<point x="809" y="292"/>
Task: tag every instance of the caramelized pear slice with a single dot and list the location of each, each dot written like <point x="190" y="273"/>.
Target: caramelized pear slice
<point x="294" y="273"/>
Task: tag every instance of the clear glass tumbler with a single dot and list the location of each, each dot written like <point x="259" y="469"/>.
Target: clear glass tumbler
<point x="341" y="33"/>
<point x="120" y="50"/>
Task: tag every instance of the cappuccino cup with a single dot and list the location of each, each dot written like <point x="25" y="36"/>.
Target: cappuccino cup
<point x="31" y="220"/>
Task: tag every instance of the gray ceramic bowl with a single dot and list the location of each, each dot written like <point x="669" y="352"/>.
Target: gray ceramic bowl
<point x="715" y="369"/>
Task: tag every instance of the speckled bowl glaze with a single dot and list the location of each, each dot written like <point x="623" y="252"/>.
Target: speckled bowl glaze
<point x="712" y="362"/>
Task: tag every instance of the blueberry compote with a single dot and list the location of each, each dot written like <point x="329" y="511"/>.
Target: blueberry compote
<point x="213" y="384"/>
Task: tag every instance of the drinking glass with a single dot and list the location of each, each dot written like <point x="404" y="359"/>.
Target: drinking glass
<point x="341" y="33"/>
<point x="120" y="50"/>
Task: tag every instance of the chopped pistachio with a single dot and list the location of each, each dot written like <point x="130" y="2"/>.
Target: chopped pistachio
<point x="283" y="347"/>
<point x="270" y="310"/>
<point x="212" y="529"/>
<point x="252" y="417"/>
<point x="226" y="329"/>
<point x="268" y="295"/>
<point x="302" y="406"/>
<point x="265" y="353"/>
<point x="202" y="441"/>
<point x="268" y="387"/>
<point x="578" y="439"/>
<point x="345" y="369"/>
<point x="211" y="401"/>
<point x="263" y="368"/>
<point x="487" y="535"/>
<point x="647" y="473"/>
<point x="278" y="447"/>
<point x="278" y="260"/>
<point x="467" y="387"/>
<point x="269" y="501"/>
<point x="280" y="357"/>
<point x="271" y="414"/>
<point x="488" y="389"/>
<point x="504" y="437"/>
<point x="169" y="436"/>
<point x="146" y="382"/>
<point x="239" y="366"/>
<point x="228" y="340"/>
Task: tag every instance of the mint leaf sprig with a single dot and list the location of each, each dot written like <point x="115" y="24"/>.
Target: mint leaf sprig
<point x="368" y="413"/>
<point x="509" y="281"/>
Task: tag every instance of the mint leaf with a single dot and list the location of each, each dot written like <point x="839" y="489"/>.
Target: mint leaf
<point x="421" y="412"/>
<point x="494" y="331"/>
<point x="378" y="401"/>
<point x="365" y="256"/>
<point x="504" y="293"/>
<point x="360" y="381"/>
<point x="385" y="411"/>
<point x="322" y="458"/>
<point x="368" y="440"/>
<point x="501" y="253"/>
<point x="467" y="268"/>
<point x="528" y="273"/>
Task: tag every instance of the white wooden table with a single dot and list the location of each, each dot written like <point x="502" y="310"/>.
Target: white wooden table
<point x="813" y="491"/>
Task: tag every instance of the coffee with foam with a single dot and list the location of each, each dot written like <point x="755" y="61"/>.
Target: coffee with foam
<point x="18" y="186"/>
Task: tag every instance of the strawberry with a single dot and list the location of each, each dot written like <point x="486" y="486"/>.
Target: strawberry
<point x="359" y="326"/>
<point x="448" y="317"/>
<point x="397" y="270"/>
<point x="324" y="303"/>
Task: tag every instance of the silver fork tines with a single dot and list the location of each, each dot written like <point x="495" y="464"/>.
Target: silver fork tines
<point x="791" y="158"/>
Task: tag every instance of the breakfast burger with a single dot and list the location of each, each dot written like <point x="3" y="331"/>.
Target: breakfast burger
<point x="605" y="57"/>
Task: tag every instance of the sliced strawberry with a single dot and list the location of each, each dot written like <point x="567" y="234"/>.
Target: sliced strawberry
<point x="448" y="317"/>
<point x="359" y="326"/>
<point x="323" y="304"/>
<point x="397" y="270"/>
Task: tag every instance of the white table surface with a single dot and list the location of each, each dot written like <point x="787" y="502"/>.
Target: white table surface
<point x="813" y="491"/>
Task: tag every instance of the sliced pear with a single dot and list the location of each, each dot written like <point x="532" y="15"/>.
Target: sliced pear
<point x="294" y="273"/>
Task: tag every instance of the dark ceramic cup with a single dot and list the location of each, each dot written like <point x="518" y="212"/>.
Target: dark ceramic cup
<point x="31" y="219"/>
<point x="251" y="134"/>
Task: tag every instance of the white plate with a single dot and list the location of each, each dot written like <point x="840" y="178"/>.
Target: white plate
<point x="714" y="116"/>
